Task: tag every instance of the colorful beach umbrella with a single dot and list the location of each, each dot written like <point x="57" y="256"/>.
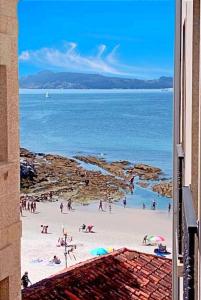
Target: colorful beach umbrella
<point x="99" y="251"/>
<point x="155" y="238"/>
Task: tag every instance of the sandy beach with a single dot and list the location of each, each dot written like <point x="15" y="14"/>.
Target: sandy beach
<point x="120" y="228"/>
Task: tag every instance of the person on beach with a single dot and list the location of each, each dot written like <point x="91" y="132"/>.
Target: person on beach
<point x="154" y="205"/>
<point x="131" y="189"/>
<point x="61" y="207"/>
<point x="82" y="227"/>
<point x="28" y="206"/>
<point x="51" y="194"/>
<point x="124" y="202"/>
<point x="169" y="207"/>
<point x="25" y="280"/>
<point x="71" y="252"/>
<point x="44" y="228"/>
<point x="100" y="205"/>
<point x="69" y="204"/>
<point x="145" y="240"/>
<point x="61" y="242"/>
<point x="132" y="181"/>
<point x="25" y="204"/>
<point x="32" y="207"/>
<point x="89" y="228"/>
<point x="56" y="260"/>
<point x="143" y="205"/>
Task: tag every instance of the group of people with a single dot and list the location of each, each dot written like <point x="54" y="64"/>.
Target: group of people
<point x="69" y="205"/>
<point x="27" y="204"/>
<point x="86" y="228"/>
<point x="154" y="204"/>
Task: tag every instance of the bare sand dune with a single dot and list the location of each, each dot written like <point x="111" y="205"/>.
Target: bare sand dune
<point x="121" y="228"/>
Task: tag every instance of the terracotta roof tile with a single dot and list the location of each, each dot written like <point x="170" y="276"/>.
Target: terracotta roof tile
<point x="121" y="275"/>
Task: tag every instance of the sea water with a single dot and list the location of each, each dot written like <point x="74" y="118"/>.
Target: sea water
<point x="133" y="125"/>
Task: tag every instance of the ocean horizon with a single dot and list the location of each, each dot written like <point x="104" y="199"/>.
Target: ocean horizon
<point x="80" y="91"/>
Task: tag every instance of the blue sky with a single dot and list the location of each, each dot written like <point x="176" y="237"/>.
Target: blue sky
<point x="115" y="38"/>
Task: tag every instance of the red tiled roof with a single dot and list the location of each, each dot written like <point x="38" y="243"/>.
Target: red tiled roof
<point x="121" y="275"/>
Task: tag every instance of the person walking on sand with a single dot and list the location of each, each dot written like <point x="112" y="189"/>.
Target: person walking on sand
<point x="69" y="204"/>
<point x="32" y="207"/>
<point x="100" y="205"/>
<point x="169" y="207"/>
<point x="124" y="202"/>
<point x="61" y="207"/>
<point x="143" y="205"/>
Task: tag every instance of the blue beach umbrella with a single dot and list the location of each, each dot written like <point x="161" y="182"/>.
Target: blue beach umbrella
<point x="99" y="251"/>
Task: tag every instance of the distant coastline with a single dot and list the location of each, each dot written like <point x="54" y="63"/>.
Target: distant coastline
<point x="69" y="81"/>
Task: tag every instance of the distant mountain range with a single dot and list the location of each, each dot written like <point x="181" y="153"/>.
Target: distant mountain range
<point x="67" y="80"/>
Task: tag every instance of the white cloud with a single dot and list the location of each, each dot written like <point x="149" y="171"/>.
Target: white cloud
<point x="105" y="61"/>
<point x="24" y="56"/>
<point x="71" y="60"/>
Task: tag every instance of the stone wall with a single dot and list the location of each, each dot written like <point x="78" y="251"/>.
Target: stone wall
<point x="10" y="225"/>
